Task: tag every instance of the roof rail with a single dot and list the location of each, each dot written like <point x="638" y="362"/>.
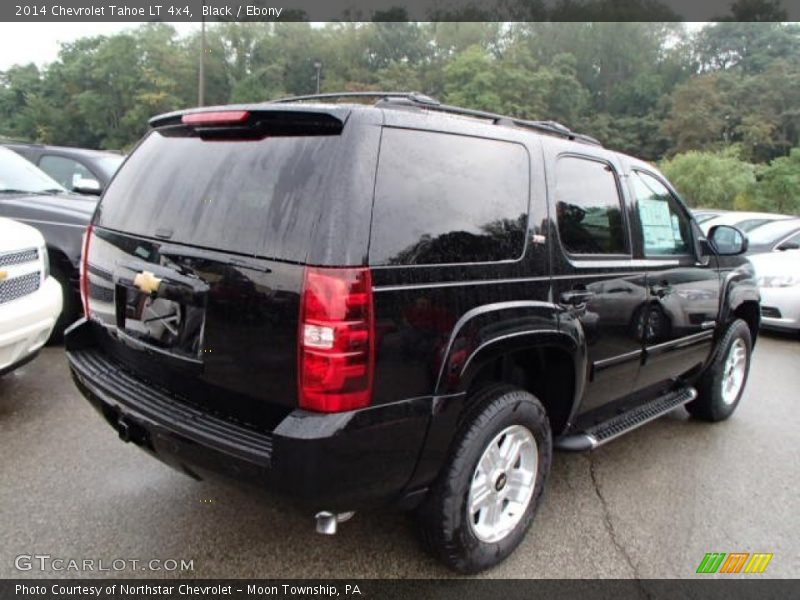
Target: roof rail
<point x="550" y="127"/>
<point x="417" y="100"/>
<point x="414" y="97"/>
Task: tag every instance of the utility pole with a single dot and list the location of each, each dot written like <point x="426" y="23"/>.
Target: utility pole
<point x="318" y="67"/>
<point x="201" y="74"/>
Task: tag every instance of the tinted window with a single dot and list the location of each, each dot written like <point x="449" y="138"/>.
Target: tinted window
<point x="665" y="228"/>
<point x="589" y="209"/>
<point x="65" y="171"/>
<point x="244" y="196"/>
<point x="444" y="198"/>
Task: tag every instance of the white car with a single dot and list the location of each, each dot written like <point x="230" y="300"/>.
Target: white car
<point x="30" y="299"/>
<point x="746" y="221"/>
<point x="778" y="276"/>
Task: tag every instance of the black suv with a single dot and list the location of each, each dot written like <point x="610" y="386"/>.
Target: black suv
<point x="403" y="304"/>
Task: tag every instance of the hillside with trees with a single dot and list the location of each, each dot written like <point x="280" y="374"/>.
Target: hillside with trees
<point x="718" y="107"/>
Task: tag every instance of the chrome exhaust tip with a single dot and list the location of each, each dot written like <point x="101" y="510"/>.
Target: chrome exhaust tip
<point x="327" y="522"/>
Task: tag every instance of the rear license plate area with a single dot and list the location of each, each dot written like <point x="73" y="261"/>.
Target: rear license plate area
<point x="162" y="322"/>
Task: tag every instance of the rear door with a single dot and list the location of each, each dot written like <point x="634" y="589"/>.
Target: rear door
<point x="683" y="291"/>
<point x="594" y="278"/>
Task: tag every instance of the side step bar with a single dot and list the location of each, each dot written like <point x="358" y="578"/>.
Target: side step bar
<point x="625" y="422"/>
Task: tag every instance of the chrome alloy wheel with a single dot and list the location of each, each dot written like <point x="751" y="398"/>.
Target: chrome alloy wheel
<point x="734" y="372"/>
<point x="502" y="484"/>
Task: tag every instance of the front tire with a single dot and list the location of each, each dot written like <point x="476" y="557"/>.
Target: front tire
<point x="720" y="389"/>
<point x="483" y="503"/>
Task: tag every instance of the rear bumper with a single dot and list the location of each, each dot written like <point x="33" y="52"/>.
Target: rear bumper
<point x="338" y="462"/>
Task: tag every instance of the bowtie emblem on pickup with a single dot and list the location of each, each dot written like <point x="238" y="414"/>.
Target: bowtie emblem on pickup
<point x="147" y="282"/>
<point x="3" y="275"/>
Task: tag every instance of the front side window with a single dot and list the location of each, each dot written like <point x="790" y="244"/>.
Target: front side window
<point x="65" y="171"/>
<point x="589" y="207"/>
<point x="665" y="228"/>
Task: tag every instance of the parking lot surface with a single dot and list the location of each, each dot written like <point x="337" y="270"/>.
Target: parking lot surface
<point x="650" y="504"/>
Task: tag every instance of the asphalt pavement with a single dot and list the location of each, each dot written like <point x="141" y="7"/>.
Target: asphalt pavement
<point x="647" y="505"/>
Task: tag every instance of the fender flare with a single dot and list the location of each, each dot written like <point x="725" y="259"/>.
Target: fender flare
<point x="490" y="331"/>
<point x="738" y="288"/>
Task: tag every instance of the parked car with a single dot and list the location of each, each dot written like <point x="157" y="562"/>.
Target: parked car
<point x="30" y="196"/>
<point x="746" y="221"/>
<point x="30" y="298"/>
<point x="76" y="169"/>
<point x="362" y="306"/>
<point x="778" y="276"/>
<point x="702" y="215"/>
<point x="778" y="236"/>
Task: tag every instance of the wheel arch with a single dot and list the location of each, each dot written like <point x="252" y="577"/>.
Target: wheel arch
<point x="522" y="343"/>
<point x="741" y="299"/>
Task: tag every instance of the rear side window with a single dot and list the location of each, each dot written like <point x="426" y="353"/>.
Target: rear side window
<point x="443" y="198"/>
<point x="260" y="197"/>
<point x="589" y="207"/>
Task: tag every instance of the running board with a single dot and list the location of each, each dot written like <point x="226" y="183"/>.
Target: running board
<point x="625" y="422"/>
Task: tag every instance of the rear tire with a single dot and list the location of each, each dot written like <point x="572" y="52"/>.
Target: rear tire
<point x="499" y="464"/>
<point x="720" y="389"/>
<point x="70" y="305"/>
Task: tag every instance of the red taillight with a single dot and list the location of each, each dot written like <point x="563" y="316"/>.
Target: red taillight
<point x="220" y="117"/>
<point x="337" y="340"/>
<point x="84" y="270"/>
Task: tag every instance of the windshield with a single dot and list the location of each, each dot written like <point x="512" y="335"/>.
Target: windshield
<point x="773" y="232"/>
<point x="17" y="174"/>
<point x="703" y="217"/>
<point x="109" y="164"/>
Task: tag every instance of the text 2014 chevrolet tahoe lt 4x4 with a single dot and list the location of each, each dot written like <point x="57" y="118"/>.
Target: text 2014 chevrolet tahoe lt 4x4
<point x="403" y="303"/>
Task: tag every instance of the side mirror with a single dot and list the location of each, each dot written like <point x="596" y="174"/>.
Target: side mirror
<point x="728" y="240"/>
<point x="87" y="186"/>
<point x="788" y="246"/>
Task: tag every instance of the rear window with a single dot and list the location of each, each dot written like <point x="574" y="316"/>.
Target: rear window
<point x="442" y="198"/>
<point x="254" y="197"/>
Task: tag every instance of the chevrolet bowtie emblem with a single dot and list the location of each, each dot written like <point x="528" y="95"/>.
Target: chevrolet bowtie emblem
<point x="147" y="282"/>
<point x="3" y="275"/>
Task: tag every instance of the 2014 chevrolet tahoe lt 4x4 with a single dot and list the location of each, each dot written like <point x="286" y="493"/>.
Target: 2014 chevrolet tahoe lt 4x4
<point x="403" y="303"/>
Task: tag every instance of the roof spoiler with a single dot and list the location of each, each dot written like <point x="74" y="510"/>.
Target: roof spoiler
<point x="251" y="121"/>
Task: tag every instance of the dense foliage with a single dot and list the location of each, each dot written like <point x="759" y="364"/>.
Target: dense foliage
<point x="719" y="105"/>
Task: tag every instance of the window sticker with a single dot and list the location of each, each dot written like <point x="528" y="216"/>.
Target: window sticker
<point x="657" y="223"/>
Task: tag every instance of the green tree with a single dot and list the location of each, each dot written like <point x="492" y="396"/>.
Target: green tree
<point x="701" y="112"/>
<point x="779" y="185"/>
<point x="749" y="47"/>
<point x="712" y="179"/>
<point x="471" y="80"/>
<point x="20" y="89"/>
